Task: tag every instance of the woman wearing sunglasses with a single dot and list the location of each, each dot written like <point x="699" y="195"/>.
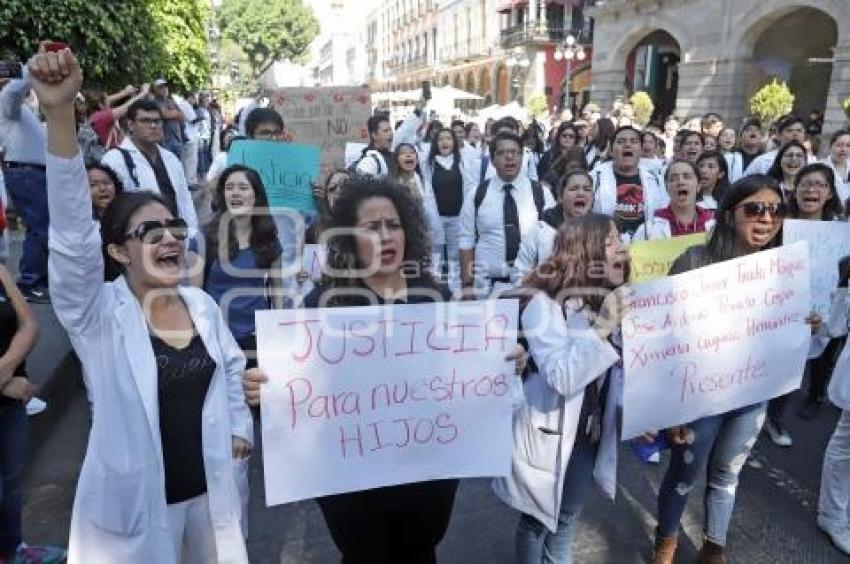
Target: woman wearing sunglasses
<point x="749" y="220"/>
<point x="158" y="483"/>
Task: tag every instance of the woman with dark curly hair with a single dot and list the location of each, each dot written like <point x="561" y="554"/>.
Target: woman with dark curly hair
<point x="242" y="236"/>
<point x="384" y="254"/>
<point x="104" y="185"/>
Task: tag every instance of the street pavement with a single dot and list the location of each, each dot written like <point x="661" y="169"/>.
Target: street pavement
<point x="774" y="520"/>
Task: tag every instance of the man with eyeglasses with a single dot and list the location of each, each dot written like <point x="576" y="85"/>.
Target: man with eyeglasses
<point x="264" y="124"/>
<point x="790" y="128"/>
<point x="497" y="215"/>
<point x="142" y="164"/>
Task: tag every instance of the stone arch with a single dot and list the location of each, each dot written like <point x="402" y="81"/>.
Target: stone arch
<point x="470" y="82"/>
<point x="457" y="81"/>
<point x="502" y="85"/>
<point x="754" y="23"/>
<point x="485" y="84"/>
<point x="649" y="26"/>
<point x="804" y="63"/>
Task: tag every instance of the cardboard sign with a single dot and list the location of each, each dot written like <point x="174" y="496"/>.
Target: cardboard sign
<point x="651" y="260"/>
<point x="715" y="339"/>
<point x="829" y="242"/>
<point x="327" y="117"/>
<point x="364" y="397"/>
<point x="288" y="170"/>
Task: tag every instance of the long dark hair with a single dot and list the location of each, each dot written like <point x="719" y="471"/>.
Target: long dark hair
<point x="776" y="168"/>
<point x="576" y="261"/>
<point x="722" y="243"/>
<point x="115" y="223"/>
<point x="342" y="249"/>
<point x="833" y="208"/>
<point x="556" y="142"/>
<point x="264" y="241"/>
<point x="434" y="151"/>
<point x="113" y="177"/>
<point x="395" y="170"/>
<point x="722" y="185"/>
<point x="605" y="130"/>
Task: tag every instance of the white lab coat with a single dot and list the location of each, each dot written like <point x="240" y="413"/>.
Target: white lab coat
<point x="569" y="356"/>
<point x="147" y="179"/>
<point x="842" y="186"/>
<point x="535" y="248"/>
<point x="839" y="386"/>
<point x="659" y="228"/>
<point x="120" y="512"/>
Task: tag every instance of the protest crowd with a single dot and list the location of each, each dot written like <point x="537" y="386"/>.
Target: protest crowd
<point x="164" y="250"/>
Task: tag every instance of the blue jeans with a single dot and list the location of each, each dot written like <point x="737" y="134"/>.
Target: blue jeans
<point x="534" y="542"/>
<point x="14" y="439"/>
<point x="723" y="442"/>
<point x="28" y="190"/>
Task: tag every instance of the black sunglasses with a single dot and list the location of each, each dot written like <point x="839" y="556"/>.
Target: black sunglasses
<point x="153" y="231"/>
<point x="760" y="209"/>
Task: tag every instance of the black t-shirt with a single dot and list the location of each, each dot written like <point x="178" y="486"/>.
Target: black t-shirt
<point x="8" y="328"/>
<point x="448" y="189"/>
<point x="184" y="377"/>
<point x="629" y="212"/>
<point x="747" y="158"/>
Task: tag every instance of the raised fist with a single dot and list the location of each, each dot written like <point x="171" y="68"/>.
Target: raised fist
<point x="55" y="77"/>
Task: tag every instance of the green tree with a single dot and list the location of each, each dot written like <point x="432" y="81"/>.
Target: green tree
<point x="269" y="31"/>
<point x="772" y="101"/>
<point x="111" y="39"/>
<point x="537" y="104"/>
<point x="130" y="41"/>
<point x="643" y="107"/>
<point x="181" y="50"/>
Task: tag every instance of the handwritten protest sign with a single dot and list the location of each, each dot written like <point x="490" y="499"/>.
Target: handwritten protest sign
<point x="327" y="117"/>
<point x="651" y="260"/>
<point x="363" y="397"/>
<point x="829" y="242"/>
<point x="287" y="170"/>
<point x="715" y="339"/>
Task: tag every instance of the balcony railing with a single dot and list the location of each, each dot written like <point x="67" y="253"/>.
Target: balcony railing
<point x="527" y="32"/>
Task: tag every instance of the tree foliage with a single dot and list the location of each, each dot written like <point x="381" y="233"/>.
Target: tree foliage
<point x="117" y="42"/>
<point x="537" y="104"/>
<point x="772" y="101"/>
<point x="643" y="107"/>
<point x="269" y="31"/>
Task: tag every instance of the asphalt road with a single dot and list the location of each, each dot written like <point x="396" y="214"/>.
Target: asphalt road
<point x="774" y="518"/>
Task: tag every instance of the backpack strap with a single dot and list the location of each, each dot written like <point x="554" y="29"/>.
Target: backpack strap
<point x="485" y="163"/>
<point x="480" y="194"/>
<point x="539" y="198"/>
<point x="377" y="162"/>
<point x="131" y="166"/>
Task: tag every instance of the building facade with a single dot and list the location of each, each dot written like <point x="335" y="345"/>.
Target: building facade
<point x="696" y="56"/>
<point x="502" y="50"/>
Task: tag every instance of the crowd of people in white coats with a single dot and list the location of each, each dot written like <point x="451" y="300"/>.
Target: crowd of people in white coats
<point x="507" y="209"/>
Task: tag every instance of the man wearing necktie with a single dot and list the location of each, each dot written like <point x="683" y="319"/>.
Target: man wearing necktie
<point x="496" y="217"/>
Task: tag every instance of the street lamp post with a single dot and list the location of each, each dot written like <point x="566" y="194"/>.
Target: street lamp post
<point x="570" y="51"/>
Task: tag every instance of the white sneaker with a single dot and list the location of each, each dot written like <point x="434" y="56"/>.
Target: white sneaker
<point x="840" y="536"/>
<point x="778" y="434"/>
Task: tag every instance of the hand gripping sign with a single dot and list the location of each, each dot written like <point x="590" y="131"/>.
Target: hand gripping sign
<point x="715" y="339"/>
<point x="363" y="397"/>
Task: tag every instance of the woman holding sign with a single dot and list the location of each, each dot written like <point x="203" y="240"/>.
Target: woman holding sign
<point x="683" y="216"/>
<point x="815" y="199"/>
<point x="170" y="425"/>
<point x="565" y="432"/>
<point x="398" y="523"/>
<point x="749" y="220"/>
